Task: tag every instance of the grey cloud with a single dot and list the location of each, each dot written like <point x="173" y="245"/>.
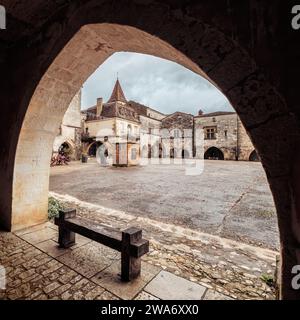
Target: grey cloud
<point x="158" y="83"/>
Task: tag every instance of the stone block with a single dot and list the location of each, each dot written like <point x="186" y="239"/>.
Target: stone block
<point x="167" y="286"/>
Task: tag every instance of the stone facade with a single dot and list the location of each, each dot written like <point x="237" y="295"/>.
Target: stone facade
<point x="156" y="135"/>
<point x="111" y="130"/>
<point x="178" y="128"/>
<point x="225" y="137"/>
<point x="70" y="130"/>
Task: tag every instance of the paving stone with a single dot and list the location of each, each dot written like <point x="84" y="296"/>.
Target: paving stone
<point x="80" y="241"/>
<point x="92" y="294"/>
<point x="29" y="270"/>
<point x="89" y="259"/>
<point x="145" y="296"/>
<point x="149" y="271"/>
<point x="60" y="290"/>
<point x="169" y="286"/>
<point x="32" y="229"/>
<point x="214" y="295"/>
<point x="110" y="279"/>
<point x="51" y="248"/>
<point x="52" y="286"/>
<point x="107" y="296"/>
<point x="39" y="235"/>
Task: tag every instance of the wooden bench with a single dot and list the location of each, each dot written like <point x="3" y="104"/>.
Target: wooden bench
<point x="129" y="242"/>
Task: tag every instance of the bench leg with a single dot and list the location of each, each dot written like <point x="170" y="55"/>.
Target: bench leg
<point x="130" y="266"/>
<point x="66" y="238"/>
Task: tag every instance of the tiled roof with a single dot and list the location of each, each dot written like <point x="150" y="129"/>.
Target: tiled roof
<point x="177" y="113"/>
<point x="138" y="107"/>
<point x="215" y="114"/>
<point x="117" y="94"/>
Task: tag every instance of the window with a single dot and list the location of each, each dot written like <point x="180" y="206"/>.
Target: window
<point x="129" y="130"/>
<point x="210" y="133"/>
<point x="176" y="133"/>
<point x="122" y="127"/>
<point x="133" y="154"/>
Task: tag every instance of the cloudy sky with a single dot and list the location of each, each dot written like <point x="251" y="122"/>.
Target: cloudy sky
<point x="154" y="82"/>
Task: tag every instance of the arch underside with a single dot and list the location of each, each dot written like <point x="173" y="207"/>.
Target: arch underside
<point x="88" y="49"/>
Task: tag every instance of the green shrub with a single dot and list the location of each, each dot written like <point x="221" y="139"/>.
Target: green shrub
<point x="53" y="208"/>
<point x="268" y="279"/>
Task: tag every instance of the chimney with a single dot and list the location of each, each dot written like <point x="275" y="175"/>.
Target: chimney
<point x="99" y="106"/>
<point x="200" y="112"/>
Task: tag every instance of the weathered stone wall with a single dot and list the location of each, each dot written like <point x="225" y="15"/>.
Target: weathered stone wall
<point x="149" y="123"/>
<point x="224" y="123"/>
<point x="245" y="146"/>
<point x="155" y="114"/>
<point x="70" y="128"/>
<point x="231" y="136"/>
<point x="178" y="120"/>
<point x="100" y="128"/>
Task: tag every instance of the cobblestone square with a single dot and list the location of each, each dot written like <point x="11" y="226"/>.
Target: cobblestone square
<point x="230" y="199"/>
<point x="192" y="224"/>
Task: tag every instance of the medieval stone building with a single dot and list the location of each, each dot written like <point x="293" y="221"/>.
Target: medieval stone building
<point x="115" y="126"/>
<point x="225" y="138"/>
<point x="128" y="130"/>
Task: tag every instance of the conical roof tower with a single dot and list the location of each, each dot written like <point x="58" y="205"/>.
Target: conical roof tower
<point x="117" y="94"/>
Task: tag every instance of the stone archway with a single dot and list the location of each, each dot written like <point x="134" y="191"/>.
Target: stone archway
<point x="213" y="153"/>
<point x="55" y="91"/>
<point x="92" y="148"/>
<point x="254" y="156"/>
<point x="223" y="55"/>
<point x="67" y="147"/>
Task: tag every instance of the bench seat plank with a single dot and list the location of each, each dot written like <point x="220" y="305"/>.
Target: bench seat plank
<point x="129" y="242"/>
<point x="99" y="233"/>
<point x="106" y="235"/>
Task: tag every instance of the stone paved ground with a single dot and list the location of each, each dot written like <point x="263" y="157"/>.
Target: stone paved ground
<point x="199" y="265"/>
<point x="183" y="261"/>
<point x="230" y="199"/>
<point x="225" y="266"/>
<point x="39" y="270"/>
